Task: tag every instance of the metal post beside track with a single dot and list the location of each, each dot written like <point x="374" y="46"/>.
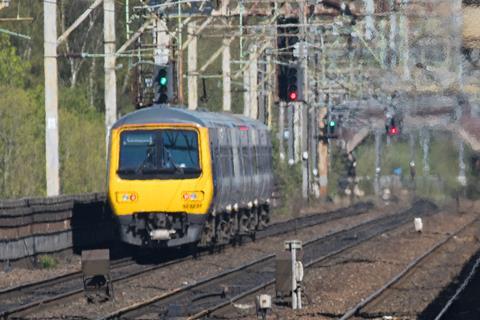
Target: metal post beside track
<point x="293" y="246"/>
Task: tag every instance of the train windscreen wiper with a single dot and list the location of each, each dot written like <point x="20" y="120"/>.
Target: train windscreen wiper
<point x="177" y="168"/>
<point x="142" y="166"/>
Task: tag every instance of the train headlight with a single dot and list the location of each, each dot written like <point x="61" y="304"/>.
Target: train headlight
<point x="192" y="196"/>
<point x="125" y="197"/>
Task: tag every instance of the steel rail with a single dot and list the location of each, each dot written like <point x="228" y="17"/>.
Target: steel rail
<point x="209" y="311"/>
<point x="459" y="290"/>
<point x="44" y="303"/>
<point x="50" y="281"/>
<point x="301" y="222"/>
<point x="354" y="311"/>
<point x="256" y="269"/>
<point x="309" y="264"/>
<point x="119" y="313"/>
<point x="272" y="230"/>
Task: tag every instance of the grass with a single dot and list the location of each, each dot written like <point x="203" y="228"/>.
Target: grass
<point x="442" y="180"/>
<point x="47" y="262"/>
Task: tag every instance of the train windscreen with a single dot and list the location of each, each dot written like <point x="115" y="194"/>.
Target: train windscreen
<point x="159" y="154"/>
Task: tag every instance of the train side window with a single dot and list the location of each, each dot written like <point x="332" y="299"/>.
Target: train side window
<point x="255" y="160"/>
<point x="246" y="161"/>
<point x="262" y="159"/>
<point x="250" y="160"/>
<point x="240" y="161"/>
<point x="215" y="157"/>
<point x="237" y="160"/>
<point x="219" y="156"/>
<point x="269" y="157"/>
<point x="224" y="160"/>
<point x="230" y="160"/>
<point x="225" y="164"/>
<point x="266" y="158"/>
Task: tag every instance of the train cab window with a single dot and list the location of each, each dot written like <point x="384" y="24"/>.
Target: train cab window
<point x="137" y="148"/>
<point x="180" y="148"/>
<point x="159" y="154"/>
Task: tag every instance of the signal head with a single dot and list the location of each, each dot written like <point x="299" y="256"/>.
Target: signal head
<point x="163" y="85"/>
<point x="293" y="96"/>
<point x="162" y="77"/>
<point x="393" y="131"/>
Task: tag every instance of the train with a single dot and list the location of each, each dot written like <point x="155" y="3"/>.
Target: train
<point x="177" y="177"/>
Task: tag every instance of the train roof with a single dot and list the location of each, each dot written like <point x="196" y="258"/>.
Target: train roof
<point x="168" y="114"/>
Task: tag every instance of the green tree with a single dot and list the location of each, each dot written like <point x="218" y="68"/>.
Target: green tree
<point x="21" y="128"/>
<point x="22" y="154"/>
<point x="13" y="69"/>
<point x="82" y="144"/>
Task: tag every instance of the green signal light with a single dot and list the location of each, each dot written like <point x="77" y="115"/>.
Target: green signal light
<point x="163" y="81"/>
<point x="332" y="123"/>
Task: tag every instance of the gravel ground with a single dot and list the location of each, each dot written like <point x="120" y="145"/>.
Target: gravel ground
<point x="68" y="262"/>
<point x="413" y="294"/>
<point x="65" y="264"/>
<point x="338" y="284"/>
<point x="161" y="281"/>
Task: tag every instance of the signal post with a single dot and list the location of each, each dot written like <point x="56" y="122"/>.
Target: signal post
<point x="51" y="98"/>
<point x="163" y="79"/>
<point x="192" y="67"/>
<point x="304" y="95"/>
<point x="109" y="65"/>
<point x="322" y="149"/>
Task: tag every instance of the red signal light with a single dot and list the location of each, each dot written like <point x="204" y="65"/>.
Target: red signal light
<point x="393" y="130"/>
<point x="292" y="96"/>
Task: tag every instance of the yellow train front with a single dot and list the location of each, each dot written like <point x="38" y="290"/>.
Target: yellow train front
<point x="178" y="177"/>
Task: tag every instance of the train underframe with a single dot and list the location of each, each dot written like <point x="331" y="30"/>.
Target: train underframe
<point x="223" y="228"/>
<point x="179" y="229"/>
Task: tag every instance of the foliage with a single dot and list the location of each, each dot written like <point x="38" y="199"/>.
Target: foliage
<point x="13" y="70"/>
<point x="76" y="100"/>
<point x="22" y="142"/>
<point x="22" y="160"/>
<point x="289" y="181"/>
<point x="81" y="106"/>
<point x="47" y="262"/>
<point x="337" y="169"/>
<point x="82" y="144"/>
<point x="443" y="177"/>
<point x="22" y="153"/>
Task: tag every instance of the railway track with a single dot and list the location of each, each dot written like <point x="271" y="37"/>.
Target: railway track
<point x="378" y="296"/>
<point x="463" y="304"/>
<point x="28" y="298"/>
<point x="205" y="297"/>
